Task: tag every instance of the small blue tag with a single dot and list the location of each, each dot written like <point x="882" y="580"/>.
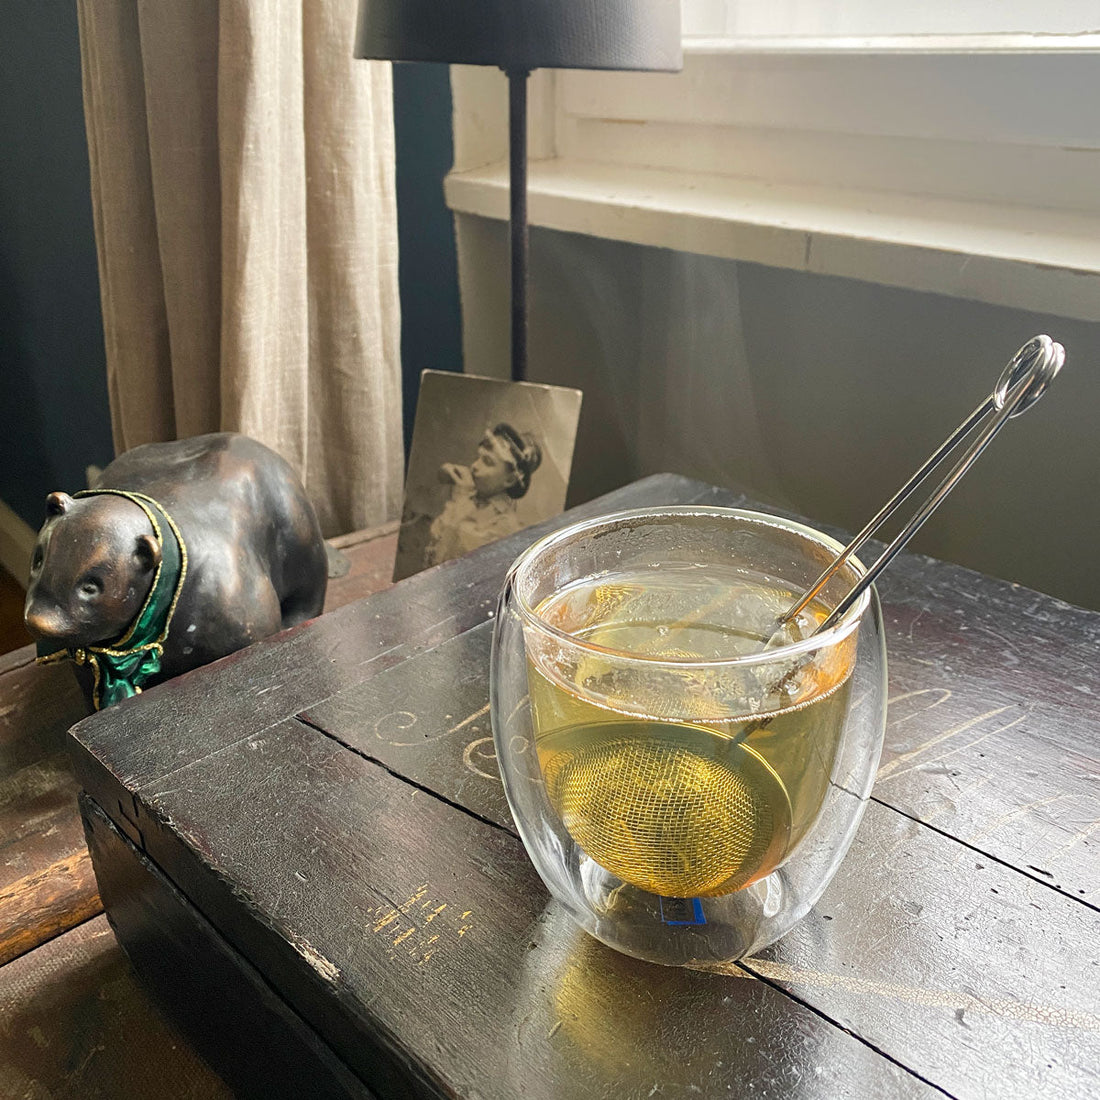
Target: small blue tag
<point x="681" y="911"/>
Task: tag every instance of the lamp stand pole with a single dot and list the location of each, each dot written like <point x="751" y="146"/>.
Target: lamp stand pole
<point x="518" y="233"/>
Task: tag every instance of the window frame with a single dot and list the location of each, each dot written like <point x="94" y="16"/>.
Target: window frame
<point x="929" y="164"/>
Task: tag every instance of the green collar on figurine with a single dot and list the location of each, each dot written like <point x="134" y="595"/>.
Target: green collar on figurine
<point x="123" y="667"/>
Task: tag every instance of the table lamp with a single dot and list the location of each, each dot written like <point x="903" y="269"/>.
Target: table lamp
<point x="519" y="36"/>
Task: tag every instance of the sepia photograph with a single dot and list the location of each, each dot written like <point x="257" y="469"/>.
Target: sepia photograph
<point x="488" y="458"/>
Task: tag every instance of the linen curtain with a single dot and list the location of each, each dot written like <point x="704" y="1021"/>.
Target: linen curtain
<point x="242" y="170"/>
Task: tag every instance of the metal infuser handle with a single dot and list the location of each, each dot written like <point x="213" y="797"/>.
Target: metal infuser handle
<point x="1023" y="381"/>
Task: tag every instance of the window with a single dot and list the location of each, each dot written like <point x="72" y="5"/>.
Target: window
<point x="937" y="147"/>
<point x="950" y="24"/>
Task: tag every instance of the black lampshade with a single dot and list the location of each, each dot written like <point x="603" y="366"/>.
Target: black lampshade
<point x="519" y="35"/>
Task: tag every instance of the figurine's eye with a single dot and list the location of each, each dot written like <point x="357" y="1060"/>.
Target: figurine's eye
<point x="36" y="561"/>
<point x="91" y="586"/>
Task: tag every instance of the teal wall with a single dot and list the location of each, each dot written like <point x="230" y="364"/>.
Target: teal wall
<point x="431" y="323"/>
<point x="53" y="390"/>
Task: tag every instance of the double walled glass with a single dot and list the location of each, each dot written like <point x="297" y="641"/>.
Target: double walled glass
<point x="684" y="787"/>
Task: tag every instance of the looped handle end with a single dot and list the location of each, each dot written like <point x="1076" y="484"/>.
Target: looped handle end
<point x="1041" y="358"/>
<point x="1020" y="385"/>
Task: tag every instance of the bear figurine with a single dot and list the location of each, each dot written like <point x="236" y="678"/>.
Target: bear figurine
<point x="183" y="552"/>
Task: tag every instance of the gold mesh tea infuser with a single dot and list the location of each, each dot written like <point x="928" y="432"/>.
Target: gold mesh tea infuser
<point x="701" y="807"/>
<point x="664" y="816"/>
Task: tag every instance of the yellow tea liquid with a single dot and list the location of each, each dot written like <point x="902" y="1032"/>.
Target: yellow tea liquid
<point x="660" y="771"/>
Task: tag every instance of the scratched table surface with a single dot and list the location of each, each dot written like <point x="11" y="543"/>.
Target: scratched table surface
<point x="306" y="850"/>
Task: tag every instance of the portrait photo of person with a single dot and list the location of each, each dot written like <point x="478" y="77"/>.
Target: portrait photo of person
<point x="483" y="496"/>
<point x="488" y="458"/>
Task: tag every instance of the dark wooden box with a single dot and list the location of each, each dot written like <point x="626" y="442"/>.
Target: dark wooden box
<point x="306" y="852"/>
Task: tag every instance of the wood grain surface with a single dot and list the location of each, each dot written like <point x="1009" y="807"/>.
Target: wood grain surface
<point x="199" y="979"/>
<point x="13" y="634"/>
<point x="925" y="963"/>
<point x="975" y="974"/>
<point x="994" y="725"/>
<point x="75" y="1024"/>
<point x="329" y="802"/>
<point x="46" y="879"/>
<point x="372" y="901"/>
<point x="370" y="556"/>
<point x="67" y="1004"/>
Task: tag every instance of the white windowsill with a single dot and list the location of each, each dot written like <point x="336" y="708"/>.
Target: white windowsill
<point x="1035" y="259"/>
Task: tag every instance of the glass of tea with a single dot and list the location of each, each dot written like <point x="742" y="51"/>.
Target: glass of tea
<point x="685" y="780"/>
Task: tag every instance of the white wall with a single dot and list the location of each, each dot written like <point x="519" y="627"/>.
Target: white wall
<point x="815" y="392"/>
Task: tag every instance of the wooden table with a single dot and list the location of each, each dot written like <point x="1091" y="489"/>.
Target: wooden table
<point x="73" y="1020"/>
<point x="306" y="851"/>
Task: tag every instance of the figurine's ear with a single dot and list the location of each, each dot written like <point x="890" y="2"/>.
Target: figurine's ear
<point x="147" y="552"/>
<point x="57" y="504"/>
